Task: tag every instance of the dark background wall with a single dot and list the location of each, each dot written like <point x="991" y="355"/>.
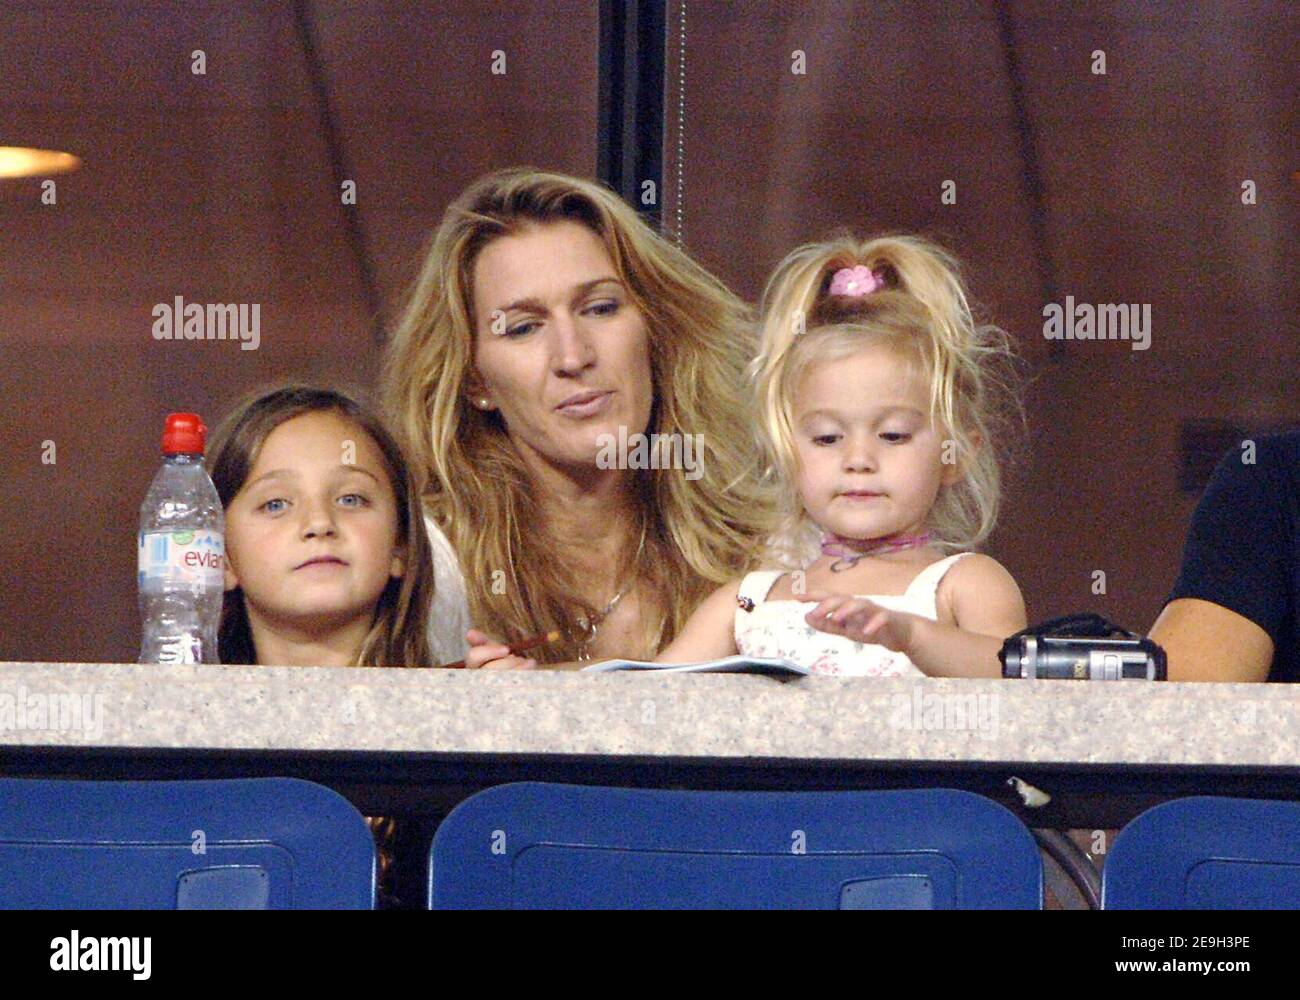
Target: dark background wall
<point x="1123" y="187"/>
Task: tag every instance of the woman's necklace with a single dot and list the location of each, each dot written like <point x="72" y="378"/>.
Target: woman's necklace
<point x="590" y="625"/>
<point x="849" y="551"/>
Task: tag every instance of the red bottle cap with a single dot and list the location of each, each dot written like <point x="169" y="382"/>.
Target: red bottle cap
<point x="184" y="434"/>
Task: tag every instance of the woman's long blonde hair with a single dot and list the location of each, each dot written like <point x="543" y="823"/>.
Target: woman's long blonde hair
<point x="923" y="309"/>
<point x="698" y="533"/>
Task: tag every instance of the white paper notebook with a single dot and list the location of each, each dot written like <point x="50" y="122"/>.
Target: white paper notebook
<point x="728" y="664"/>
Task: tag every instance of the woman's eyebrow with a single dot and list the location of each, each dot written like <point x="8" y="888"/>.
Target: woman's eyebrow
<point x="536" y="305"/>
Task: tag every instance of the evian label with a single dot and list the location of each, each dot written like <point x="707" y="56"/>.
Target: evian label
<point x="195" y="558"/>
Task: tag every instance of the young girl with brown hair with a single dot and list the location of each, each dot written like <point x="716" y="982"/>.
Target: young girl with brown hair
<point x="327" y="559"/>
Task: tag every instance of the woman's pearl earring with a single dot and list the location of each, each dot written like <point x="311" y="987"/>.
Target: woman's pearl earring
<point x="483" y="404"/>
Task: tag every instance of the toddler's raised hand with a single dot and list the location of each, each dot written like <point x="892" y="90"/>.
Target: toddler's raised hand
<point x="861" y="620"/>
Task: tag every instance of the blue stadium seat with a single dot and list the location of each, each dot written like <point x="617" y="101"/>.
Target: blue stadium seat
<point x="543" y="846"/>
<point x="261" y="843"/>
<point x="1206" y="853"/>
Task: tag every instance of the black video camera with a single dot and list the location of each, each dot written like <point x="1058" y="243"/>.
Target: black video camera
<point x="1083" y="647"/>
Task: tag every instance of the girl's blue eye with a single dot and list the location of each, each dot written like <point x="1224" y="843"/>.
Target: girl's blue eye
<point x="354" y="496"/>
<point x="605" y="308"/>
<point x="267" y="506"/>
<point x="826" y="439"/>
<point x="520" y="330"/>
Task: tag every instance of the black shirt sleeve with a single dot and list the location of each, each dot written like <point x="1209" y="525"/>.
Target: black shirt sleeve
<point x="1239" y="546"/>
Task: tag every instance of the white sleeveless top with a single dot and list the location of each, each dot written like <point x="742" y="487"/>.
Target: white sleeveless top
<point x="777" y="628"/>
<point x="449" y="613"/>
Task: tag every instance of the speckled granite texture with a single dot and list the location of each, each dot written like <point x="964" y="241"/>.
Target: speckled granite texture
<point x="640" y="715"/>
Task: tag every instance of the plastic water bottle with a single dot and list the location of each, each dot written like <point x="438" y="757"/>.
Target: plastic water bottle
<point x="182" y="551"/>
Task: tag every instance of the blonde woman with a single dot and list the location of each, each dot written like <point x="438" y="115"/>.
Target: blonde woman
<point x="571" y="386"/>
<point x="883" y="408"/>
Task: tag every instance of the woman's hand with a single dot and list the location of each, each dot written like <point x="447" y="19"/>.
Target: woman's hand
<point x="486" y="653"/>
<point x="862" y="621"/>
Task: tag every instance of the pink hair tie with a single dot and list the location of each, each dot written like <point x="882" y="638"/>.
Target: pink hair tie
<point x="855" y="282"/>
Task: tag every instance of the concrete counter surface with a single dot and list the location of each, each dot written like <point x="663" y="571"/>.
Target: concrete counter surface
<point x="638" y="716"/>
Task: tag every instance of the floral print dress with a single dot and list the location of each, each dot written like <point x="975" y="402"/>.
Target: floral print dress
<point x="777" y="629"/>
